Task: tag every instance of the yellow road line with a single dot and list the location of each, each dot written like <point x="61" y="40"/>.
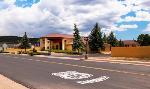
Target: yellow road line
<point x="30" y="59"/>
<point x="15" y="57"/>
<point x="109" y="61"/>
<point x="126" y="63"/>
<point x="130" y="64"/>
<point x="110" y="70"/>
<point x="38" y="60"/>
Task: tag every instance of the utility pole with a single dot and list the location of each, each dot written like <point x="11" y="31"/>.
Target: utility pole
<point x="86" y="53"/>
<point x="50" y="48"/>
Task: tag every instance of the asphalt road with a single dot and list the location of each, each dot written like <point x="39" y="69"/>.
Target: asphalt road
<point x="44" y="73"/>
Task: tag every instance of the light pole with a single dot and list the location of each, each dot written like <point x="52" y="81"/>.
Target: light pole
<point x="86" y="50"/>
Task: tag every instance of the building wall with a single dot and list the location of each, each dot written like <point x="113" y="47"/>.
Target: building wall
<point x="130" y="51"/>
<point x="69" y="47"/>
<point x="66" y="44"/>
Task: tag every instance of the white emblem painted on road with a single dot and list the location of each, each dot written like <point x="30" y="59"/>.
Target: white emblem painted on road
<point x="72" y="75"/>
<point x="100" y="79"/>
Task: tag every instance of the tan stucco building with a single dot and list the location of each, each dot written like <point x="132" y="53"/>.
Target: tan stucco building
<point x="56" y="42"/>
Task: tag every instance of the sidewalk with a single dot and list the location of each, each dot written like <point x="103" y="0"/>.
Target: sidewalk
<point x="6" y="83"/>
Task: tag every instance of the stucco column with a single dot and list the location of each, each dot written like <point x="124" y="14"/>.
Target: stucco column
<point x="41" y="44"/>
<point x="46" y="43"/>
<point x="63" y="44"/>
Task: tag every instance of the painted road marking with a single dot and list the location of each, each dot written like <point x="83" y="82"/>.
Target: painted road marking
<point x="72" y="75"/>
<point x="121" y="62"/>
<point x="45" y="61"/>
<point x="96" y="80"/>
<point x="30" y="59"/>
<point x="109" y="61"/>
<point x="15" y="57"/>
<point x="129" y="63"/>
<point x="38" y="60"/>
<point x="96" y="68"/>
<point x="111" y="70"/>
<point x="23" y="58"/>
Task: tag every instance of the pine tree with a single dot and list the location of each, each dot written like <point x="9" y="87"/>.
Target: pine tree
<point x="112" y="40"/>
<point x="140" y="39"/>
<point x="105" y="38"/>
<point x="77" y="41"/>
<point x="95" y="39"/>
<point x="144" y="39"/>
<point x="24" y="42"/>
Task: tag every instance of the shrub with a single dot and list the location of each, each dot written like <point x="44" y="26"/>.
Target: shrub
<point x="23" y="52"/>
<point x="31" y="54"/>
<point x="3" y="52"/>
<point x="36" y="53"/>
<point x="18" y="52"/>
<point x="34" y="50"/>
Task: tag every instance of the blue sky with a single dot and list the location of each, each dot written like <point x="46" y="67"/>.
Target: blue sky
<point x="126" y="18"/>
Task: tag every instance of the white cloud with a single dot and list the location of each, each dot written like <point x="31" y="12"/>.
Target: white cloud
<point x="128" y="26"/>
<point x="148" y="28"/>
<point x="59" y="16"/>
<point x="9" y="1"/>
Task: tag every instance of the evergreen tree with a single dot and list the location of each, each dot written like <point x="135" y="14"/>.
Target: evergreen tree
<point x="24" y="42"/>
<point x="112" y="40"/>
<point x="144" y="39"/>
<point x="105" y="38"/>
<point x="95" y="39"/>
<point x="77" y="41"/>
<point x="120" y="43"/>
<point x="140" y="39"/>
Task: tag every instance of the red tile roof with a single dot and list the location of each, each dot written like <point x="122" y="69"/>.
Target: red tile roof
<point x="59" y="35"/>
